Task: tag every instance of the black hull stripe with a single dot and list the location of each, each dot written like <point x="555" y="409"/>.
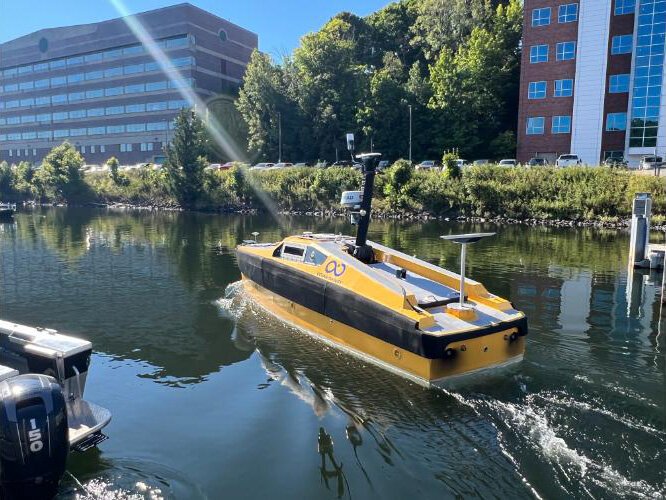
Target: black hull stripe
<point x="354" y="310"/>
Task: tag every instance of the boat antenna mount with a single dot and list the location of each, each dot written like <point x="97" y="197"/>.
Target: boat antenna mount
<point x="360" y="204"/>
<point x="463" y="240"/>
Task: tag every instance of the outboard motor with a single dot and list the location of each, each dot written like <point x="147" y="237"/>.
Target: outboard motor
<point x="33" y="436"/>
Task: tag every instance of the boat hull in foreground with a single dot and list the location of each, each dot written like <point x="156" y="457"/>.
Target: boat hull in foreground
<point x="485" y="353"/>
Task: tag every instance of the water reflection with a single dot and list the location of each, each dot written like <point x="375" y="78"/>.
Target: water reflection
<point x="584" y="416"/>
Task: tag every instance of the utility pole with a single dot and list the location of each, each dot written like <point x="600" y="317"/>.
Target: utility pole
<point x="280" y="137"/>
<point x="410" y="133"/>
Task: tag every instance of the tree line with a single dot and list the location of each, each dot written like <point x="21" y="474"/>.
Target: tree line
<point x="455" y="63"/>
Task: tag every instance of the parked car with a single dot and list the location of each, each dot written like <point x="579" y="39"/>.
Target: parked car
<point x="426" y="165"/>
<point x="568" y="161"/>
<point x="481" y="162"/>
<point x="461" y="163"/>
<point x="261" y="166"/>
<point x="280" y="165"/>
<point x="509" y="162"/>
<point x="321" y="164"/>
<point x="343" y="163"/>
<point x="650" y="162"/>
<point x="301" y="164"/>
<point x="537" y="162"/>
<point x="615" y="162"/>
<point x="382" y="165"/>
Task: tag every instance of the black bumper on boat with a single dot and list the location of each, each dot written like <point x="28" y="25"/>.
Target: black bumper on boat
<point x="354" y="310"/>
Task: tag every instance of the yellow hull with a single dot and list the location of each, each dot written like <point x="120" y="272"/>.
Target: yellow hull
<point x="472" y="355"/>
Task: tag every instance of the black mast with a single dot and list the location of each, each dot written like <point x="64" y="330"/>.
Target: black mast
<point x="362" y="250"/>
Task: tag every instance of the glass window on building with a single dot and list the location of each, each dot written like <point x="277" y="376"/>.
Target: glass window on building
<point x="621" y="44"/>
<point x="567" y="13"/>
<point x="563" y="88"/>
<point x="136" y="127"/>
<point x="135" y="88"/>
<point x="60" y="116"/>
<point x="153" y="86"/>
<point x="135" y="108"/>
<point x="115" y="129"/>
<point x="58" y="80"/>
<point x="114" y="110"/>
<point x="618" y="84"/>
<point x="541" y="17"/>
<point x="94" y="75"/>
<point x="75" y="61"/>
<point x="113" y="91"/>
<point x="156" y="126"/>
<point x="76" y="96"/>
<point x="125" y="148"/>
<point x="561" y="124"/>
<point x="77" y="113"/>
<point x="42" y="84"/>
<point x="156" y="106"/>
<point x="132" y="69"/>
<point x="27" y="102"/>
<point x="75" y="78"/>
<point x="111" y="72"/>
<point x="27" y="86"/>
<point x="565" y="51"/>
<point x="624" y="7"/>
<point x="94" y="57"/>
<point x="648" y="68"/>
<point x="537" y="90"/>
<point x="616" y="122"/>
<point x="95" y="112"/>
<point x="93" y="94"/>
<point x="96" y="131"/>
<point x="538" y="54"/>
<point x="535" y="125"/>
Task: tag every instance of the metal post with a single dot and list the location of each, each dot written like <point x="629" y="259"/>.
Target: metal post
<point x="463" y="255"/>
<point x="410" y="134"/>
<point x="280" y="137"/>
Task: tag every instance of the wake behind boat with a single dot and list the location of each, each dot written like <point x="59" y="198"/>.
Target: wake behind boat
<point x="402" y="313"/>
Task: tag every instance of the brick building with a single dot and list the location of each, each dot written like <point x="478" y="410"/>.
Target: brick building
<point x="591" y="80"/>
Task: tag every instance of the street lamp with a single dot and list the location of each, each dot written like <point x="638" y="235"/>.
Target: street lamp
<point x="410" y="133"/>
<point x="280" y="137"/>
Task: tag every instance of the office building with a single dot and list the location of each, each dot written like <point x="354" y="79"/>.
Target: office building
<point x="98" y="87"/>
<point x="591" y="80"/>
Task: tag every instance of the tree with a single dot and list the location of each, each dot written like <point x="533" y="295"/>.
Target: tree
<point x="476" y="86"/>
<point x="446" y="24"/>
<point x="118" y="178"/>
<point x="59" y="179"/>
<point x="186" y="158"/>
<point x="6" y="180"/>
<point x="331" y="84"/>
<point x="260" y="99"/>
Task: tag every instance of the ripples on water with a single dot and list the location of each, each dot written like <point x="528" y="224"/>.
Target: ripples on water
<point x="556" y="430"/>
<point x="213" y="397"/>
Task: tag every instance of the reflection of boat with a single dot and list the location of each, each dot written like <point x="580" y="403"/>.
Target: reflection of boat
<point x="400" y="312"/>
<point x="42" y="411"/>
<point x="7" y="210"/>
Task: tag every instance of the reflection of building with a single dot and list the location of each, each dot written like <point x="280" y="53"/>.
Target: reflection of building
<point x="98" y="87"/>
<point x="591" y="79"/>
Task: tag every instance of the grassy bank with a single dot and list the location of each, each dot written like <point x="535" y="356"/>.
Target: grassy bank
<point x="544" y="193"/>
<point x="488" y="191"/>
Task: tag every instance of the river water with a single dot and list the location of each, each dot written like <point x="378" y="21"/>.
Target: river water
<point x="212" y="397"/>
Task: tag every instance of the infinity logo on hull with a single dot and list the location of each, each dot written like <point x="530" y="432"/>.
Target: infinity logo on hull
<point x="336" y="268"/>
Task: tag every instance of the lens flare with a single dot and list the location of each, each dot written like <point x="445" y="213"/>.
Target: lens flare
<point x="216" y="131"/>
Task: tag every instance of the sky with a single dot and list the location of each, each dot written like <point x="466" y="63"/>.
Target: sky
<point x="279" y="23"/>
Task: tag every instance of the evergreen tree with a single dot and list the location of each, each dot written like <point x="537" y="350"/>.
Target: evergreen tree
<point x="186" y="158"/>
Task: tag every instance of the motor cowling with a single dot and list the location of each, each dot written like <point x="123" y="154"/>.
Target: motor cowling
<point x="33" y="437"/>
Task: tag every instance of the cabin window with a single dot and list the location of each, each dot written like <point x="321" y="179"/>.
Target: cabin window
<point x="295" y="253"/>
<point x="314" y="256"/>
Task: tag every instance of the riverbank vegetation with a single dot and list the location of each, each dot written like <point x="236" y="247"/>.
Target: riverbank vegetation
<point x="574" y="193"/>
